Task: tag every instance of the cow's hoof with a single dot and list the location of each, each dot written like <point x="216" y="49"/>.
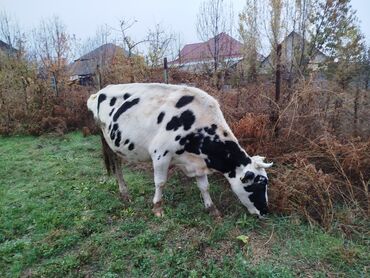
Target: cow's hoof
<point x="214" y="212"/>
<point x="125" y="198"/>
<point x="158" y="210"/>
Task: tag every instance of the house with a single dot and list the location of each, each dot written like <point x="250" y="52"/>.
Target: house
<point x="83" y="70"/>
<point x="196" y="56"/>
<point x="290" y="45"/>
<point x="7" y="49"/>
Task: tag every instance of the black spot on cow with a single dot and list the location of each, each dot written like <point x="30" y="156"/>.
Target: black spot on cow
<point x="110" y="126"/>
<point x="112" y="134"/>
<point x="126" y="142"/>
<point x="126" y="105"/>
<point x="211" y="130"/>
<point x="131" y="147"/>
<point x="232" y="174"/>
<point x="183" y="140"/>
<point x="159" y="157"/>
<point x="258" y="196"/>
<point x="180" y="151"/>
<point x="112" y="101"/>
<point x="193" y="142"/>
<point x="184" y="100"/>
<point x="111" y="112"/>
<point x="126" y="96"/>
<point x="177" y="138"/>
<point x="166" y="152"/>
<point x="225" y="134"/>
<point x="186" y="119"/>
<point x="118" y="139"/>
<point x="223" y="156"/>
<point x="160" y="117"/>
<point x="155" y="151"/>
<point x="101" y="98"/>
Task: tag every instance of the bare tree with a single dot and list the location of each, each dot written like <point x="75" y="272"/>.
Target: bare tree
<point x="10" y="33"/>
<point x="250" y="35"/>
<point x="102" y="36"/>
<point x="159" y="45"/>
<point x="52" y="49"/>
<point x="214" y="17"/>
<point x="128" y="43"/>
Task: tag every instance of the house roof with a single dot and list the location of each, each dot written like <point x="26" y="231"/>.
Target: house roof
<point x="285" y="40"/>
<point x="102" y="56"/>
<point x="7" y="48"/>
<point x="203" y="51"/>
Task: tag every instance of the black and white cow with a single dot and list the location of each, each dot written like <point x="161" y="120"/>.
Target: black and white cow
<point x="182" y="126"/>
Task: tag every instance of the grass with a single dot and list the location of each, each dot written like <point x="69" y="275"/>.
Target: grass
<point x="61" y="216"/>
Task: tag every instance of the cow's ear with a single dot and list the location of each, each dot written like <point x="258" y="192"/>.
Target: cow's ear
<point x="259" y="162"/>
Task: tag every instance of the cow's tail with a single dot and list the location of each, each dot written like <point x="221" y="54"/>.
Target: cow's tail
<point x="110" y="158"/>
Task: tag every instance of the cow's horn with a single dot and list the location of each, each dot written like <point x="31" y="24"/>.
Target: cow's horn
<point x="259" y="162"/>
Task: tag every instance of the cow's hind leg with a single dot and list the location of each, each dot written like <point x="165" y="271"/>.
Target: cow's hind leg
<point x="120" y="180"/>
<point x="160" y="177"/>
<point x="203" y="186"/>
<point x="113" y="164"/>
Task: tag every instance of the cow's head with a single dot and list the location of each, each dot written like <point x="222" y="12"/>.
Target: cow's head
<point x="250" y="185"/>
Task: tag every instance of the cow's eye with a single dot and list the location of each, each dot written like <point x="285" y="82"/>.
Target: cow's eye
<point x="247" y="177"/>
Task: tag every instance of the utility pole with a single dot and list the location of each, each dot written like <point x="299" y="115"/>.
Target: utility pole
<point x="165" y="70"/>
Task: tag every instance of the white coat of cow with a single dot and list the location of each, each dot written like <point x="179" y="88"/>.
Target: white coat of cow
<point x="182" y="126"/>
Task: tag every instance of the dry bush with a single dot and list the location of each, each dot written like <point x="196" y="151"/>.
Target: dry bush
<point x="251" y="126"/>
<point x="302" y="189"/>
<point x="319" y="180"/>
<point x="350" y="162"/>
<point x="54" y="124"/>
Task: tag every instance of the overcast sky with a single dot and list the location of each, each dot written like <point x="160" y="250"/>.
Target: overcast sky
<point x="82" y="17"/>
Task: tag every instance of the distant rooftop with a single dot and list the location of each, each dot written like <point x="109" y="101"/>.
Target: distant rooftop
<point x="7" y="48"/>
<point x="198" y="52"/>
<point x="103" y="55"/>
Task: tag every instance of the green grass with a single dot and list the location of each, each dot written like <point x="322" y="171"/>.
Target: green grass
<point x="61" y="216"/>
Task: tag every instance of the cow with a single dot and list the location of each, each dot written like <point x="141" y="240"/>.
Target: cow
<point x="176" y="125"/>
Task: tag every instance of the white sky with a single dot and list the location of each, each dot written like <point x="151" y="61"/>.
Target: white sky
<point x="82" y="17"/>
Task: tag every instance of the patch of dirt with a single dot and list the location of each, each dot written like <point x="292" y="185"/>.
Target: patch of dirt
<point x="259" y="248"/>
<point x="216" y="253"/>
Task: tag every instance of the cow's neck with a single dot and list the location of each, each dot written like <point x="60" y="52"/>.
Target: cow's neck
<point x="226" y="157"/>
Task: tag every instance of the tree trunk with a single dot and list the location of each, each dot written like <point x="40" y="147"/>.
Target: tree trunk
<point x="275" y="110"/>
<point x="355" y="111"/>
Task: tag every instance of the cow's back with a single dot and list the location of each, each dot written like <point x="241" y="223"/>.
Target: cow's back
<point x="139" y="120"/>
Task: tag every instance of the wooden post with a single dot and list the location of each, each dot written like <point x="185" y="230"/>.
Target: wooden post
<point x="98" y="75"/>
<point x="278" y="73"/>
<point x="165" y="70"/>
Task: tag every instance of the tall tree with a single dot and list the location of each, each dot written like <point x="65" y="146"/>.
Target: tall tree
<point x="337" y="34"/>
<point x="159" y="45"/>
<point x="52" y="50"/>
<point x="214" y="17"/>
<point x="249" y="33"/>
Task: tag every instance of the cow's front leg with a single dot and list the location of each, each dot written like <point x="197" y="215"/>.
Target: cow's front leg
<point x="203" y="186"/>
<point x="160" y="178"/>
<point x="121" y="182"/>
